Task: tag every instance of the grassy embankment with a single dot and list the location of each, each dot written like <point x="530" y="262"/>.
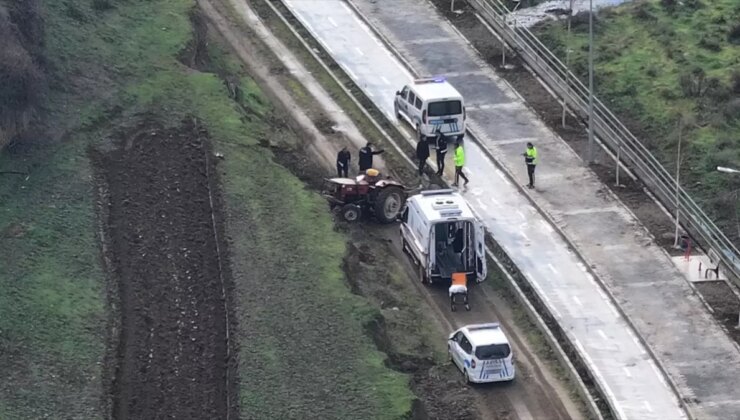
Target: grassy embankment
<point x="111" y="67"/>
<point x="661" y="61"/>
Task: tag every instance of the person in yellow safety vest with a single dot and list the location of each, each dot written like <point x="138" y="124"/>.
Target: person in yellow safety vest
<point x="459" y="163"/>
<point x="530" y="158"/>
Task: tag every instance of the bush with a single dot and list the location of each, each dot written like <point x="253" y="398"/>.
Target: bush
<point x="734" y="36"/>
<point x="101" y="5"/>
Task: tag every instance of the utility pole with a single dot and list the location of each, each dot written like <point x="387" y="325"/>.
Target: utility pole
<point x="506" y="23"/>
<point x="590" y="81"/>
<point x="567" y="62"/>
<point x="678" y="171"/>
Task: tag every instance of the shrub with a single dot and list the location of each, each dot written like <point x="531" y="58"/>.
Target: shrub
<point x="733" y="37"/>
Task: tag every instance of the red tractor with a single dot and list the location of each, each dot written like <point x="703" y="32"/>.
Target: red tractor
<point x="367" y="194"/>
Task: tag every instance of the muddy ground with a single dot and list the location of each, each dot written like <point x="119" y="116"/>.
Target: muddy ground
<point x="630" y="192"/>
<point x="172" y="356"/>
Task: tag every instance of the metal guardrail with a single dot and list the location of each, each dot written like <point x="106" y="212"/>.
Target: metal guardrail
<point x="612" y="132"/>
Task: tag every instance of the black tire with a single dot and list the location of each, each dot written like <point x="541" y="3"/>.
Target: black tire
<point x="389" y="203"/>
<point x="397" y="111"/>
<point x="351" y="213"/>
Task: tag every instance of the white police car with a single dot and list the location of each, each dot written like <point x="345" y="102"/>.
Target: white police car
<point x="429" y="105"/>
<point x="482" y="353"/>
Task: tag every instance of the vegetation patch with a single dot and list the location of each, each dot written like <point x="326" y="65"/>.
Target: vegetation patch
<point x="113" y="66"/>
<point x="670" y="67"/>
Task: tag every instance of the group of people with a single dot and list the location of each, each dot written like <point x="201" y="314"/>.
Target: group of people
<point x="422" y="154"/>
<point x="365" y="159"/>
<point x="440" y="142"/>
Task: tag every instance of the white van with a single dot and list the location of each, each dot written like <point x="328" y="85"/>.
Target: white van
<point x="482" y="353"/>
<point x="431" y="104"/>
<point x="442" y="235"/>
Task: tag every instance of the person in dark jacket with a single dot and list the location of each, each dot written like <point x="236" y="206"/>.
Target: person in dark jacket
<point x="441" y="143"/>
<point x="343" y="158"/>
<point x="422" y="153"/>
<point x="366" y="156"/>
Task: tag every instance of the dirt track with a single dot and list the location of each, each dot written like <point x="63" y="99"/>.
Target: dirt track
<point x="172" y="353"/>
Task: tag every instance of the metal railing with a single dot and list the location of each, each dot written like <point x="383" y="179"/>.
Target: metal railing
<point x="612" y="133"/>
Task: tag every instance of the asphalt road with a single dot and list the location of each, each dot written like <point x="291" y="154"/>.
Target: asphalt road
<point x="630" y="378"/>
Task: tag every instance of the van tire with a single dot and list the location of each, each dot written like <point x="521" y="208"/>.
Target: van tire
<point x="466" y="377"/>
<point x="397" y="111"/>
<point x="388" y="204"/>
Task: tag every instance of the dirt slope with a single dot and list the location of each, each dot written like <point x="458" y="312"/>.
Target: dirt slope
<point x="173" y="347"/>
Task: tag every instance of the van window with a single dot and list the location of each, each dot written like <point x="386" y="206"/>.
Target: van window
<point x="465" y="345"/>
<point x="412" y="97"/>
<point x="442" y="108"/>
<point x="418" y="103"/>
<point x="404" y="92"/>
<point x="492" y="351"/>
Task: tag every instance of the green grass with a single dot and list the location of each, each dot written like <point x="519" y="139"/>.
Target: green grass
<point x="312" y="357"/>
<point x="647" y="57"/>
<point x="110" y="71"/>
<point x="52" y="297"/>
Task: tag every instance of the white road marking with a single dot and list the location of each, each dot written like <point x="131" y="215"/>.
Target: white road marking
<point x="526" y="238"/>
<point x="552" y="268"/>
<point x="601" y="333"/>
<point x="520" y="214"/>
<point x="385" y="80"/>
<point x="359" y="51"/>
<point x="332" y="21"/>
<point x="351" y="74"/>
<point x="648" y="406"/>
<point x="546" y="226"/>
<point x="627" y="372"/>
<point x="480" y="203"/>
<point x="578" y="301"/>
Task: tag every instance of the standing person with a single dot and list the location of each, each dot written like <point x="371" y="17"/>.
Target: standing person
<point x="366" y="156"/>
<point x="459" y="163"/>
<point x="343" y="158"/>
<point x="422" y="153"/>
<point x="530" y="158"/>
<point x="441" y="144"/>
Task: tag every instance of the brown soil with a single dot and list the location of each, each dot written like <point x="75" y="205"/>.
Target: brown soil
<point x="725" y="305"/>
<point x="173" y="352"/>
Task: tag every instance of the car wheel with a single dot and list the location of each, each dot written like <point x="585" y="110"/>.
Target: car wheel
<point x="397" y="111"/>
<point x="466" y="377"/>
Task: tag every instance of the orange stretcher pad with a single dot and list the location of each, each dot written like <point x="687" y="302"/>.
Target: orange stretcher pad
<point x="459" y="284"/>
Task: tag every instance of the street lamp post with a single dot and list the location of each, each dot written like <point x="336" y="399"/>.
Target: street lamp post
<point x="567" y="61"/>
<point x="678" y="172"/>
<point x="732" y="171"/>
<point x="506" y="22"/>
<point x="590" y="81"/>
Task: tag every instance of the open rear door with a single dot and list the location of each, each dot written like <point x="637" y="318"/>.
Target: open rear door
<point x="480" y="252"/>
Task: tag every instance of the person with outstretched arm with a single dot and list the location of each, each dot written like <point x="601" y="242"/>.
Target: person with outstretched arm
<point x="459" y="163"/>
<point x="530" y="158"/>
<point x="441" y="143"/>
<point x="343" y="158"/>
<point x="366" y="156"/>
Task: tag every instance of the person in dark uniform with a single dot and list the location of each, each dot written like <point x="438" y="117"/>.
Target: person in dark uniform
<point x="366" y="156"/>
<point x="441" y="143"/>
<point x="422" y="153"/>
<point x="343" y="158"/>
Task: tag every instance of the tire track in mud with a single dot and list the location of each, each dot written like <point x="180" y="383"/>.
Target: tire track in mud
<point x="173" y="350"/>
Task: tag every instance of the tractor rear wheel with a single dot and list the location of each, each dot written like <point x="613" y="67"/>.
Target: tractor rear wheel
<point x="388" y="204"/>
<point x="351" y="212"/>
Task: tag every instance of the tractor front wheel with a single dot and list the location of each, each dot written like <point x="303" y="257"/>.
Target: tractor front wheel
<point x="351" y="212"/>
<point x="388" y="204"/>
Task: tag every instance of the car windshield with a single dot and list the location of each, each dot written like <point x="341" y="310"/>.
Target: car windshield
<point x="492" y="351"/>
<point x="440" y="109"/>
